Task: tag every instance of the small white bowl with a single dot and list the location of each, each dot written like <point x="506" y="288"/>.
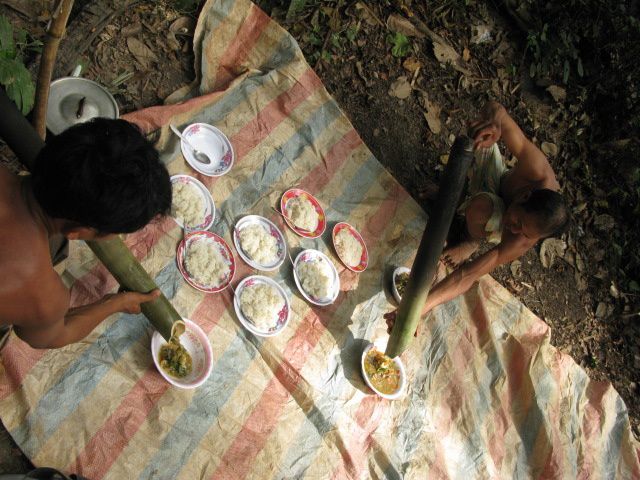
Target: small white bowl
<point x="208" y="139"/>
<point x="403" y="376"/>
<point x="394" y="287"/>
<point x="195" y="341"/>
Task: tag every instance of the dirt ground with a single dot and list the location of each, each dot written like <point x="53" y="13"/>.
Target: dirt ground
<point x="144" y="54"/>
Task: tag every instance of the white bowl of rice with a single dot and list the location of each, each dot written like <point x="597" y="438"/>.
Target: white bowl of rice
<point x="316" y="277"/>
<point x="350" y="247"/>
<point x="259" y="243"/>
<point x="262" y="306"/>
<point x="192" y="206"/>
<point x="206" y="261"/>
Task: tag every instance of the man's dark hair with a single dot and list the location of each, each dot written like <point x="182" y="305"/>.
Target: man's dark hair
<point x="550" y="209"/>
<point x="102" y="174"/>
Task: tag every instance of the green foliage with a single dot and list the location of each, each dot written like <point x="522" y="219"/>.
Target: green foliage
<point x="553" y="54"/>
<point x="295" y="7"/>
<point x="401" y="46"/>
<point x="14" y="76"/>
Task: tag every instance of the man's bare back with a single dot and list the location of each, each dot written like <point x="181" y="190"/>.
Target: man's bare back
<point x="54" y="202"/>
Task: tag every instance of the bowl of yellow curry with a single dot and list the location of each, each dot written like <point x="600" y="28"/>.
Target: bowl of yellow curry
<point x="184" y="361"/>
<point x="384" y="375"/>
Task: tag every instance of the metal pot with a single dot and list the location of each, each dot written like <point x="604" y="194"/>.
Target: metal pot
<point x="75" y="100"/>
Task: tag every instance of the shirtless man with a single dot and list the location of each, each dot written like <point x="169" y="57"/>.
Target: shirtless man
<point x="92" y="181"/>
<point x="511" y="208"/>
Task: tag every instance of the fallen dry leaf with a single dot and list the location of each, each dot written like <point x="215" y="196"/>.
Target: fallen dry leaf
<point x="401" y="88"/>
<point x="143" y="54"/>
<point x="183" y="26"/>
<point x="364" y="11"/>
<point x="601" y="310"/>
<point x="604" y="222"/>
<point x="516" y="268"/>
<point x="481" y="33"/>
<point x="445" y="53"/>
<point x="432" y="114"/>
<point x="549" y="149"/>
<point x="559" y="94"/>
<point x="397" y="23"/>
<point x="550" y="249"/>
<point x="411" y="64"/>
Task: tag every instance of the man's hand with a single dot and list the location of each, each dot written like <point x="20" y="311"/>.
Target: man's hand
<point x="129" y="302"/>
<point x="390" y="318"/>
<point x="487" y="129"/>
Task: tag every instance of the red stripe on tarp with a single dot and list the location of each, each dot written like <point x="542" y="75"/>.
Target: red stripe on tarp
<point x="320" y="176"/>
<point x="591" y="430"/>
<point x="274" y="113"/>
<point x="237" y="460"/>
<point x="18" y="359"/>
<point x="358" y="442"/>
<point x="242" y="44"/>
<point x="101" y="452"/>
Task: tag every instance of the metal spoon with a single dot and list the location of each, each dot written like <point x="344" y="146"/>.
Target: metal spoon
<point x="197" y="154"/>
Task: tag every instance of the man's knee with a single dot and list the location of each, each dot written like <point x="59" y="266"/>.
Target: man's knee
<point x="477" y="214"/>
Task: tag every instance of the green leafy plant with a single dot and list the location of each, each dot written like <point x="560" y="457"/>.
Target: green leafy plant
<point x="14" y="76"/>
<point x="401" y="46"/>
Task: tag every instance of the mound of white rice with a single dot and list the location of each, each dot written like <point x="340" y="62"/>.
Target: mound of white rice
<point x="259" y="244"/>
<point x="187" y="204"/>
<point x="302" y="213"/>
<point x="315" y="277"/>
<point x="261" y="304"/>
<point x="348" y="247"/>
<point x="205" y="263"/>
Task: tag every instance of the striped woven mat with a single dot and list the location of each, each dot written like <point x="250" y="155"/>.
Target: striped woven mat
<point x="487" y="397"/>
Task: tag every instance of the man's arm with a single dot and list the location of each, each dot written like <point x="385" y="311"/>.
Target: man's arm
<point x="532" y="167"/>
<point x="461" y="279"/>
<point x="51" y="324"/>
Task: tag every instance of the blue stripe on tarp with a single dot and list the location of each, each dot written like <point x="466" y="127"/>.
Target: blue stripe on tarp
<point x="611" y="453"/>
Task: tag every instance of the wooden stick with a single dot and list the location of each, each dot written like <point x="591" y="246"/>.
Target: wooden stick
<point x="55" y="33"/>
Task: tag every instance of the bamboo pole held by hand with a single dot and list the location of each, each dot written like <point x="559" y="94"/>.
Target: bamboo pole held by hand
<point x="55" y="32"/>
<point x="431" y="245"/>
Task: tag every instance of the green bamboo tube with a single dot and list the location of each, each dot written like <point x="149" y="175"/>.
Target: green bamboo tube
<point x="431" y="245"/>
<point x="126" y="269"/>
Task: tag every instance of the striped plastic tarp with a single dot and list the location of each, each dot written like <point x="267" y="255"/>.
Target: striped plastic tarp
<point x="488" y="397"/>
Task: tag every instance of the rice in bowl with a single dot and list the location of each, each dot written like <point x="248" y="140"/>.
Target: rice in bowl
<point x="315" y="277"/>
<point x="348" y="247"/>
<point x="261" y="303"/>
<point x="302" y="213"/>
<point x="205" y="263"/>
<point x="259" y="244"/>
<point x="187" y="204"/>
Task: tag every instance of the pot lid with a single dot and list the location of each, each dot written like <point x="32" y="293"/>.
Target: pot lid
<point x="76" y="100"/>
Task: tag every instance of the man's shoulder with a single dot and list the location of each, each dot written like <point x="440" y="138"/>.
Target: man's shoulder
<point x="513" y="246"/>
